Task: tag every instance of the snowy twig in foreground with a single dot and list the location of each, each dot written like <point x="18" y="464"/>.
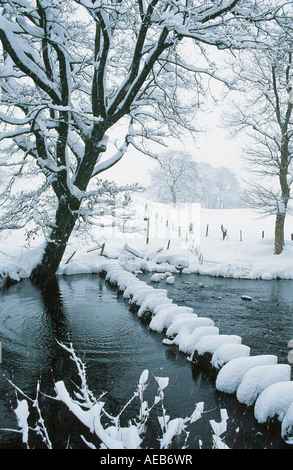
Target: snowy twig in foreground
<point x="91" y="412"/>
<point x="115" y="436"/>
<point x="22" y="413"/>
<point x="219" y="429"/>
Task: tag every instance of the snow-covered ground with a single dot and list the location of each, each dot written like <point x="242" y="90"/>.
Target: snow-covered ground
<point x="192" y="235"/>
<point x="246" y="252"/>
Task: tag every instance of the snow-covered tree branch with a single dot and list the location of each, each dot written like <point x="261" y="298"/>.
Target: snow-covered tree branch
<point x="264" y="112"/>
<point x="74" y="73"/>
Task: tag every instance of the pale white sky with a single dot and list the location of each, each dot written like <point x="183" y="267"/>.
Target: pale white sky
<point x="214" y="147"/>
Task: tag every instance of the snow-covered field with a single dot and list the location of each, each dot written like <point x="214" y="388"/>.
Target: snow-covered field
<point x="246" y="252"/>
<point x="192" y="234"/>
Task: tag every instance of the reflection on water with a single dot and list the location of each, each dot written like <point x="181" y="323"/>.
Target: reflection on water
<point x="116" y="346"/>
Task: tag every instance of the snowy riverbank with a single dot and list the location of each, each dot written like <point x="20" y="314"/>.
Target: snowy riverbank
<point x="247" y="251"/>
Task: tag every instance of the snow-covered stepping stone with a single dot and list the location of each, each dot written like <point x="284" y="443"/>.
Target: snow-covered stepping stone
<point x="163" y="317"/>
<point x="189" y="322"/>
<point x="151" y="302"/>
<point x="274" y="401"/>
<point x="140" y="294"/>
<point x="186" y="339"/>
<point x="257" y="379"/>
<point x="188" y="342"/>
<point x="210" y="343"/>
<point x="287" y="426"/>
<point x="135" y="286"/>
<point x="227" y="352"/>
<point x="230" y="376"/>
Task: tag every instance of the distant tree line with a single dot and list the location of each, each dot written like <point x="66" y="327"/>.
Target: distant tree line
<point x="180" y="179"/>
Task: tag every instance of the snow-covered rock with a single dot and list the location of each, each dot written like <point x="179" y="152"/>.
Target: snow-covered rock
<point x="257" y="379"/>
<point x="210" y="343"/>
<point x="188" y="342"/>
<point x="274" y="401"/>
<point x="230" y="376"/>
<point x="133" y="287"/>
<point x="120" y="278"/>
<point x="152" y="301"/>
<point x="170" y="280"/>
<point x="178" y="258"/>
<point x="189" y="322"/>
<point x="246" y="297"/>
<point x="163" y="317"/>
<point x="157" y="277"/>
<point x="227" y="352"/>
<point x="140" y="294"/>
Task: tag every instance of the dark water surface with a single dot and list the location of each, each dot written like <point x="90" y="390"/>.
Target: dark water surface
<point x="117" y="347"/>
<point x="264" y="322"/>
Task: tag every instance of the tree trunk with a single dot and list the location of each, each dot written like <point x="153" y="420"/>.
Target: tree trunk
<point x="279" y="233"/>
<point x="55" y="247"/>
<point x="174" y="197"/>
<point x="67" y="211"/>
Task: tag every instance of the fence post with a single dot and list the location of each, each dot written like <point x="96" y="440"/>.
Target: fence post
<point x="207" y="230"/>
<point x="147" y="219"/>
<point x="224" y="231"/>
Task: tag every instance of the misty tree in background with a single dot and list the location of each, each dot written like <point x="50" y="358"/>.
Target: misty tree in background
<point x="179" y="179"/>
<point x="265" y="113"/>
<point x="175" y="179"/>
<point x="82" y="81"/>
<point x="219" y="187"/>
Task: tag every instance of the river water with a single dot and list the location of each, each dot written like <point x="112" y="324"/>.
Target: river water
<point x="263" y="318"/>
<point x="117" y="347"/>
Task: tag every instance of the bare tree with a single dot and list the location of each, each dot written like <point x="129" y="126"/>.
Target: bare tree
<point x="75" y="73"/>
<point x="175" y="179"/>
<point x="266" y="114"/>
<point x="218" y="187"/>
<point x="180" y="179"/>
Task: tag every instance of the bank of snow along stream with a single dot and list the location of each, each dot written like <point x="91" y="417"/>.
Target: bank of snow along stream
<point x="258" y="381"/>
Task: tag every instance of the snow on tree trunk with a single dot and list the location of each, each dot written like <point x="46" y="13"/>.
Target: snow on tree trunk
<point x="55" y="246"/>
